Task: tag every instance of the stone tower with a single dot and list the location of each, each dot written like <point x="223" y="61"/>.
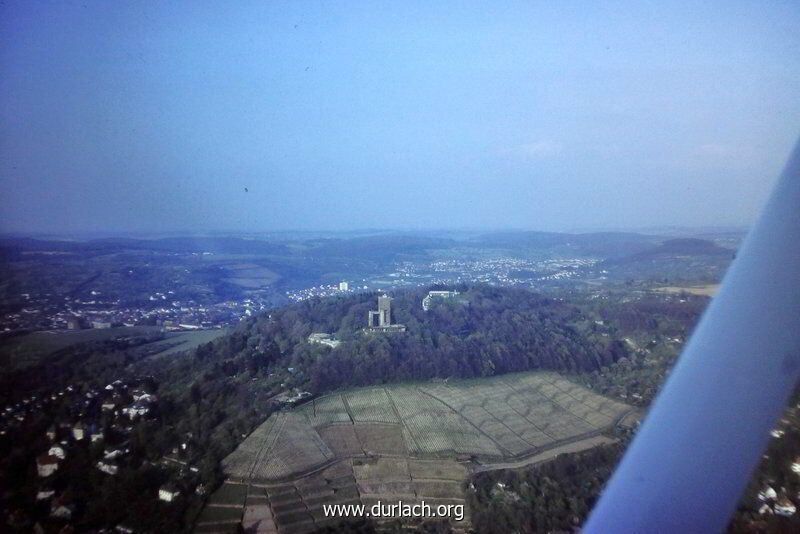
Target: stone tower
<point x="382" y="317"/>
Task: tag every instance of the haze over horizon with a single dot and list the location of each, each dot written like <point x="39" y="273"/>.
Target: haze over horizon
<point x="265" y="116"/>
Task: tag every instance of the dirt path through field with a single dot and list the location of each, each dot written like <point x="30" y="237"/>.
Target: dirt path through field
<point x="575" y="446"/>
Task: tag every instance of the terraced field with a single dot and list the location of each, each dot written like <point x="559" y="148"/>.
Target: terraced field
<point x="406" y="442"/>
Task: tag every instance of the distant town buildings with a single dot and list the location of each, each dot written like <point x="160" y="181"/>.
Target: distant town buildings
<point x="426" y="302"/>
<point x="381" y="320"/>
<point x="331" y="290"/>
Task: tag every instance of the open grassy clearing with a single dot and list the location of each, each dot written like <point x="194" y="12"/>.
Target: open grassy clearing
<point x="28" y="349"/>
<point x="709" y="290"/>
<point x="21" y="351"/>
<point x="183" y="341"/>
<point x="250" y="275"/>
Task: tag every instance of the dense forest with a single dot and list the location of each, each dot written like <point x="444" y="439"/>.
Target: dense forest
<point x="554" y="496"/>
<point x="483" y="332"/>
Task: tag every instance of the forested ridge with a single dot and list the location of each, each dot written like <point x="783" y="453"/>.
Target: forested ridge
<point x="483" y="332"/>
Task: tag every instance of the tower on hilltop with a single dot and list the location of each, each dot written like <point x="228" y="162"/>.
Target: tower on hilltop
<point x="381" y="320"/>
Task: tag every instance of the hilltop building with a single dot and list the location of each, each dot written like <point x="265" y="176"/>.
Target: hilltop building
<point x="344" y="286"/>
<point x="74" y="323"/>
<point x="381" y="320"/>
<point x="382" y="317"/>
<point x="324" y="339"/>
<point x="426" y="302"/>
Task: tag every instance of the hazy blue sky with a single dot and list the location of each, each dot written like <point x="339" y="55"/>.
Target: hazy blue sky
<point x="157" y="115"/>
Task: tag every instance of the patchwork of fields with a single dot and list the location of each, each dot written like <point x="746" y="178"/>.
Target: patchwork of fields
<point x="406" y="442"/>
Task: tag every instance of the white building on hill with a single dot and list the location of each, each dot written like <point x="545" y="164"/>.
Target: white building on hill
<point x="426" y="302"/>
<point x="324" y="339"/>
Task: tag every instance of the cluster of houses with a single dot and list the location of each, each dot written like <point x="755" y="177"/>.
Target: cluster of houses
<point x="48" y="311"/>
<point x="115" y="407"/>
<point x="777" y="503"/>
<point x="100" y="418"/>
<point x="94" y="413"/>
<point x="17" y="415"/>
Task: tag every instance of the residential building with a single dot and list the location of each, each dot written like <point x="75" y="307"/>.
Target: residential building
<point x="168" y="492"/>
<point x="46" y="465"/>
<point x="57" y="451"/>
<point x="79" y="430"/>
<point x="108" y="467"/>
<point x="427" y="301"/>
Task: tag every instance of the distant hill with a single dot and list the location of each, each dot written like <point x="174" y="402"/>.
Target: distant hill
<point x="377" y="248"/>
<point x="676" y="248"/>
<point x="685" y="259"/>
<point x="598" y="244"/>
<point x="217" y="245"/>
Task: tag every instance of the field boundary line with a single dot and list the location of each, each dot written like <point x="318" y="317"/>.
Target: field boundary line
<point x="266" y="448"/>
<point x="403" y="425"/>
<point x="580" y="401"/>
<point x="508" y="427"/>
<point x="524" y="417"/>
<point x="493" y="417"/>
<point x="347" y="408"/>
<point x="573" y="414"/>
<point x="529" y="461"/>
<point x="481" y="432"/>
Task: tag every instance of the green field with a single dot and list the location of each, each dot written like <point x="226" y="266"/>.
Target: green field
<point x="28" y="349"/>
<point x="22" y="351"/>
<point x="250" y="275"/>
<point x="183" y="341"/>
